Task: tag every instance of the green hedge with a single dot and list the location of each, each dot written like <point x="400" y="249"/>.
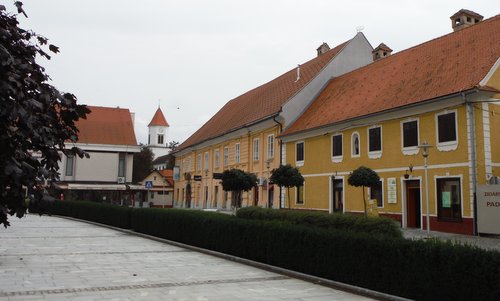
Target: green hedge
<point x="112" y="215"/>
<point x="421" y="270"/>
<point x="371" y="225"/>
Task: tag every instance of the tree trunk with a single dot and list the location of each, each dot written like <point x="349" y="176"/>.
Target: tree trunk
<point x="288" y="197"/>
<point x="364" y="200"/>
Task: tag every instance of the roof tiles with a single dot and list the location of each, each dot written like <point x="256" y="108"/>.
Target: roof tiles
<point x="158" y="119"/>
<point x="450" y="64"/>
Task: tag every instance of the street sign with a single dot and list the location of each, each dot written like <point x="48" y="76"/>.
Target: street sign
<point x="197" y="178"/>
<point x="148" y="184"/>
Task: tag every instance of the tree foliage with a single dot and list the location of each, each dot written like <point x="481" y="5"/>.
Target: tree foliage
<point x="143" y="164"/>
<point x="35" y="118"/>
<point x="363" y="177"/>
<point x="287" y="176"/>
<point x="236" y="181"/>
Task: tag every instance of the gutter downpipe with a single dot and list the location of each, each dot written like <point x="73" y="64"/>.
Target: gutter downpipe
<point x="281" y="150"/>
<point x="472" y="126"/>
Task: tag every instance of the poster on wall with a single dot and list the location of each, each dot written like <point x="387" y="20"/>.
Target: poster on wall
<point x="392" y="194"/>
<point x="177" y="173"/>
<point x="488" y="209"/>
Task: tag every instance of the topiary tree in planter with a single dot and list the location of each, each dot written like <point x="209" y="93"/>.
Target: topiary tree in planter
<point x="363" y="177"/>
<point x="287" y="176"/>
<point x="237" y="181"/>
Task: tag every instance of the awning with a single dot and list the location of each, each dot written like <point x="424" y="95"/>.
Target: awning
<point x="76" y="186"/>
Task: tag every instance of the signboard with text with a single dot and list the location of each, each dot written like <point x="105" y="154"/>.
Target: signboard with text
<point x="197" y="178"/>
<point x="488" y="209"/>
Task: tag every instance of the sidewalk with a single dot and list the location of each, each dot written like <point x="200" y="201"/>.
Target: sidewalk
<point x="50" y="258"/>
<point x="487" y="243"/>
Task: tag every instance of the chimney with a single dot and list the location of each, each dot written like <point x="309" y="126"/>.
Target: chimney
<point x="322" y="48"/>
<point x="464" y="18"/>
<point x="381" y="51"/>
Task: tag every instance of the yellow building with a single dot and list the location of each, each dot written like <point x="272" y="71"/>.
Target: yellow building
<point x="242" y="134"/>
<point x="444" y="93"/>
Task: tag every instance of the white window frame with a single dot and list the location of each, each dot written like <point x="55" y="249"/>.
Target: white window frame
<point x="462" y="188"/>
<point x="217" y="158"/>
<point x="337" y="159"/>
<point x="237" y="153"/>
<point x="374" y="154"/>
<point x="256" y="149"/>
<point x="353" y="155"/>
<point x="383" y="193"/>
<point x="410" y="150"/>
<point x="189" y="164"/>
<point x="68" y="159"/>
<point x="270" y="146"/>
<point x="226" y="156"/>
<point x="207" y="161"/>
<point x="448" y="145"/>
<point x="301" y="162"/>
<point x="198" y="162"/>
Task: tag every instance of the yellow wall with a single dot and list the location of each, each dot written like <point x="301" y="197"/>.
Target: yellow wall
<point x="318" y="167"/>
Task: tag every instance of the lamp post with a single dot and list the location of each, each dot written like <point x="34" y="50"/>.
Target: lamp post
<point x="425" y="153"/>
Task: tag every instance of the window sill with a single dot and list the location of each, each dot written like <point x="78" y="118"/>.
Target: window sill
<point x="375" y="155"/>
<point x="337" y="159"/>
<point x="408" y="151"/>
<point x="447" y="146"/>
<point x="299" y="163"/>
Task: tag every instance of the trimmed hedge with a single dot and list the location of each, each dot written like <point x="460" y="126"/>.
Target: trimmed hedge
<point x="421" y="270"/>
<point x="108" y="214"/>
<point x="371" y="225"/>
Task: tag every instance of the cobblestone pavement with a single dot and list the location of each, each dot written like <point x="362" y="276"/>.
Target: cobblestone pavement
<point x="50" y="258"/>
<point x="488" y="243"/>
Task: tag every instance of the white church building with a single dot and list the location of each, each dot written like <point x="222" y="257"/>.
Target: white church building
<point x="158" y="133"/>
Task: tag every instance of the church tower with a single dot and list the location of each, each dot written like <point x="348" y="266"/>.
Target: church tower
<point x="158" y="132"/>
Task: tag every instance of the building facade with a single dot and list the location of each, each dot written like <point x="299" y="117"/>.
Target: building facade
<point x="443" y="94"/>
<point x="243" y="133"/>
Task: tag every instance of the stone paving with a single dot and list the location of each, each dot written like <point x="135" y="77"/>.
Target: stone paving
<point x="51" y="258"/>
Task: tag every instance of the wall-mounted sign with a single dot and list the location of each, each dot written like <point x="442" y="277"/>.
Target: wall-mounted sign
<point x="148" y="184"/>
<point x="392" y="193"/>
<point x="197" y="178"/>
<point x="177" y="173"/>
<point x="488" y="209"/>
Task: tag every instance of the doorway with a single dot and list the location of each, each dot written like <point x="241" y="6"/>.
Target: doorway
<point x="413" y="214"/>
<point x="337" y="195"/>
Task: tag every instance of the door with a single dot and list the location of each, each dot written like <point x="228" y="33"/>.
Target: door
<point x="337" y="195"/>
<point x="413" y="214"/>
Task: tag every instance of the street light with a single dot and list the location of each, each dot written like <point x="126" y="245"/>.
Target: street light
<point x="425" y="153"/>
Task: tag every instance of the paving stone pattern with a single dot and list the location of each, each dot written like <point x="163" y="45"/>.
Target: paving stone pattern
<point x="51" y="258"/>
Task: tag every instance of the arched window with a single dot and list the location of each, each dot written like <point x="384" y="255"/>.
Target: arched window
<point x="355" y="145"/>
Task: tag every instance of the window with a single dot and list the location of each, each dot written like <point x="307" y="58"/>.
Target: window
<point x="256" y="149"/>
<point x="160" y="138"/>
<point x="447" y="131"/>
<point x="198" y="162"/>
<point x="217" y="158"/>
<point x="121" y="165"/>
<point x="237" y="152"/>
<point x="270" y="146"/>
<point x="299" y="153"/>
<point x="377" y="193"/>
<point x="226" y="156"/>
<point x="449" y="200"/>
<point x="337" y="146"/>
<point x="355" y="145"/>
<point x="206" y="161"/>
<point x="299" y="195"/>
<point x="189" y="164"/>
<point x="375" y="139"/>
<point x="410" y="134"/>
<point x="70" y="162"/>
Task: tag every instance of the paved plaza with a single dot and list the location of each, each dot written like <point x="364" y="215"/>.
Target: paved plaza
<point x="51" y="258"/>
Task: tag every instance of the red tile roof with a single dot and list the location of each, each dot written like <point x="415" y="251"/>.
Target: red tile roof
<point x="450" y="64"/>
<point x="158" y="119"/>
<point x="107" y="126"/>
<point x="168" y="174"/>
<point x="261" y="102"/>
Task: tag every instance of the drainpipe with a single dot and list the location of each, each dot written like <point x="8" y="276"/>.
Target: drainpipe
<point x="281" y="151"/>
<point x="472" y="127"/>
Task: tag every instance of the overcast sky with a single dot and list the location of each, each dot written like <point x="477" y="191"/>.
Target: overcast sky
<point x="196" y="55"/>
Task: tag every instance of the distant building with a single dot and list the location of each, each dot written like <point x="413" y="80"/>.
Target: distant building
<point x="162" y="191"/>
<point x="107" y="135"/>
<point x="158" y="133"/>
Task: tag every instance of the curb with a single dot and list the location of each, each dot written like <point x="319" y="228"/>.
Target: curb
<point x="292" y="274"/>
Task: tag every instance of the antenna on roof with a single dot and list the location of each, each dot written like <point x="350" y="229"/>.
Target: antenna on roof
<point x="360" y="28"/>
<point x="298" y="73"/>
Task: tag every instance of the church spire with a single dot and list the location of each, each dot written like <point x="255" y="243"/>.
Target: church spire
<point x="158" y="119"/>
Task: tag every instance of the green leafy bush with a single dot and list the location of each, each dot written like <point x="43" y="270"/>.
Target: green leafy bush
<point x="112" y="215"/>
<point x="371" y="225"/>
